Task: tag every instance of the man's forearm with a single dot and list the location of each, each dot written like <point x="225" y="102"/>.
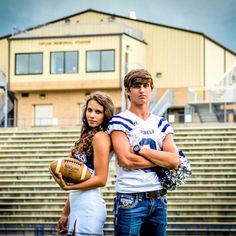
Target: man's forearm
<point x="161" y="158"/>
<point x="133" y="161"/>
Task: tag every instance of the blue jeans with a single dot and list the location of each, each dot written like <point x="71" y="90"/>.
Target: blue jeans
<point x="136" y="215"/>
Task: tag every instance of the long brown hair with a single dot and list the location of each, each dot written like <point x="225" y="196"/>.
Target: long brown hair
<point x="84" y="144"/>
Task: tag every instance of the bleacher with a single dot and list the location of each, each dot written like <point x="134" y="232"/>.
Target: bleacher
<point x="31" y="202"/>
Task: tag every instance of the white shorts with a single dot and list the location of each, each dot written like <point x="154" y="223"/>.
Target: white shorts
<point x="87" y="213"/>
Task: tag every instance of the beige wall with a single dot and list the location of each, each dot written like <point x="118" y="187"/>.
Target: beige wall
<point x="175" y="53"/>
<point x="214" y="63"/>
<point x="230" y="59"/>
<point x="180" y="95"/>
<point x="4" y="57"/>
<point x="65" y="105"/>
<point x="137" y="54"/>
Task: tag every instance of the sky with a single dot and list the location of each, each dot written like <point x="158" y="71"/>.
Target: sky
<point x="214" y="18"/>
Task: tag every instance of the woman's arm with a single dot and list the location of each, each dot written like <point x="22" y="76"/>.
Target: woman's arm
<point x="62" y="226"/>
<point x="101" y="151"/>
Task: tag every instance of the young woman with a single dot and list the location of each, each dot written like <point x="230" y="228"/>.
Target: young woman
<point x="85" y="211"/>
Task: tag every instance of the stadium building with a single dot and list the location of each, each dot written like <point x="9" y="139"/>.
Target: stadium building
<point x="47" y="71"/>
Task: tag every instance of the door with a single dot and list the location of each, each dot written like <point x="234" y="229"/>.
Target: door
<point x="43" y="115"/>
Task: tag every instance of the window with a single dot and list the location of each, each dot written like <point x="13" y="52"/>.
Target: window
<point x="27" y="64"/>
<point x="64" y="62"/>
<point x="100" y="61"/>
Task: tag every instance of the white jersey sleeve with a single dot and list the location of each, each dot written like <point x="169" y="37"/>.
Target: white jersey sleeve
<point x="165" y="128"/>
<point x="120" y="123"/>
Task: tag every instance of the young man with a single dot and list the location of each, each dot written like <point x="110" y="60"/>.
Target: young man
<point x="141" y="141"/>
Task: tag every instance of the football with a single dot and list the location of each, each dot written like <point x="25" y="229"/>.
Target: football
<point x="72" y="170"/>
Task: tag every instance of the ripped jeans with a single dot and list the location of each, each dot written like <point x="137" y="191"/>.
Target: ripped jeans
<point x="136" y="214"/>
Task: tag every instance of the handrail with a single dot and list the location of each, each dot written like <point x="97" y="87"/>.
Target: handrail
<point x="52" y="122"/>
<point x="2" y="76"/>
<point x="216" y="94"/>
<point x="2" y="100"/>
<point x="164" y="103"/>
<point x="228" y="78"/>
<point x="224" y="90"/>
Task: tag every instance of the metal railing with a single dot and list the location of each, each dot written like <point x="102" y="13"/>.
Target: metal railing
<point x="205" y="117"/>
<point x="223" y="91"/>
<point x="166" y="101"/>
<point x="42" y="122"/>
<point x="216" y="94"/>
<point x="228" y="78"/>
<point x="2" y="76"/>
<point x="223" y="117"/>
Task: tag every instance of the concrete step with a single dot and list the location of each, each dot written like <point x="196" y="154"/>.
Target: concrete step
<point x="38" y="196"/>
<point x="205" y="143"/>
<point x="34" y="196"/>
<point x="222" y="148"/>
<point x="35" y="146"/>
<point x="40" y="131"/>
<point x="25" y="169"/>
<point x="201" y="229"/>
<point x="218" y="168"/>
<point x="23" y="139"/>
<point x="208" y="197"/>
<point x="27" y="157"/>
<point x="203" y="192"/>
<point x="37" y="213"/>
<point x="70" y="142"/>
<point x="24" y="177"/>
<point x="21" y="229"/>
<point x="181" y="138"/>
<point x="180" y="191"/>
<point x="31" y="182"/>
<point x="59" y="196"/>
<point x="43" y="165"/>
<point x="33" y="229"/>
<point x="216" y="189"/>
<point x="212" y="199"/>
<point x="39" y="141"/>
<point x="40" y="138"/>
<point x="188" y="218"/>
<point x="203" y="129"/>
<point x="52" y="150"/>
<point x="210" y="153"/>
<point x="202" y="218"/>
<point x="229" y="146"/>
<point x="211" y="162"/>
<point x="212" y="165"/>
<point x="58" y="202"/>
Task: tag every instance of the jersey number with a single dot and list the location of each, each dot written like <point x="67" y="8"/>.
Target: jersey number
<point x="152" y="145"/>
<point x="148" y="142"/>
